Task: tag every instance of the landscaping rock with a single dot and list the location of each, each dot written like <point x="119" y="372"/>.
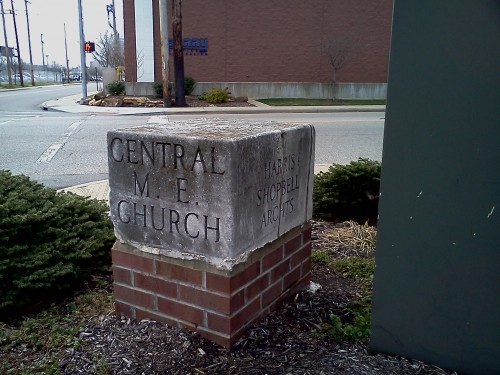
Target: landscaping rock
<point x="154" y="103"/>
<point x="135" y="101"/>
<point x="149" y="102"/>
<point x="95" y="102"/>
<point x="112" y="101"/>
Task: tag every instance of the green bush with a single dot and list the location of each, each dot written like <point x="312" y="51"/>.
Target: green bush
<point x="158" y="87"/>
<point x="50" y="243"/>
<point x="356" y="324"/>
<point x="215" y="96"/>
<point x="116" y="87"/>
<point x="189" y="84"/>
<point x="348" y="192"/>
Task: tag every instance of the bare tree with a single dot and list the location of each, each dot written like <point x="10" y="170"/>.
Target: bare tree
<point x="339" y="50"/>
<point x="109" y="52"/>
<point x="3" y="64"/>
<point x="16" y="77"/>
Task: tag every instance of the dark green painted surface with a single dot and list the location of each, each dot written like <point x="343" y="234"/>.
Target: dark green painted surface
<point x="437" y="281"/>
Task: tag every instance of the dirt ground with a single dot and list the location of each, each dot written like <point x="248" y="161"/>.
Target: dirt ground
<point x="289" y="341"/>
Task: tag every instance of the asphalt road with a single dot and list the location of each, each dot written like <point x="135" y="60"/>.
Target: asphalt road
<point x="63" y="149"/>
<point x="29" y="100"/>
<point x="340" y="137"/>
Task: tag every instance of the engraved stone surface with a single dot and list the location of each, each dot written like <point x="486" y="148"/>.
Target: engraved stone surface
<point x="210" y="189"/>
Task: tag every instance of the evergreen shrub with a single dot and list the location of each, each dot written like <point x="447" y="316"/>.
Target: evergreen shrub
<point x="116" y="87"/>
<point x="215" y="96"/>
<point x="50" y="243"/>
<point x="189" y="84"/>
<point x="158" y="87"/>
<point x="348" y="192"/>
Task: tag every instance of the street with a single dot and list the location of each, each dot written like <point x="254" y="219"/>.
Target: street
<point x="28" y="100"/>
<point x="65" y="149"/>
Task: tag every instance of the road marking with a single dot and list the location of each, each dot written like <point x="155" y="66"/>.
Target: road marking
<point x="56" y="146"/>
<point x="158" y="120"/>
<point x="20" y="114"/>
<point x="16" y="117"/>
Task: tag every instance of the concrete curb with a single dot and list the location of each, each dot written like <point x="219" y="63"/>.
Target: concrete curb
<point x="70" y="104"/>
<point x="94" y="190"/>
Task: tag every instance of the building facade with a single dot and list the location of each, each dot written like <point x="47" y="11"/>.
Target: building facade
<point x="262" y="41"/>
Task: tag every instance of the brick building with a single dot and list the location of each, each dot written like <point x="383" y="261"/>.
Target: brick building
<point x="276" y="46"/>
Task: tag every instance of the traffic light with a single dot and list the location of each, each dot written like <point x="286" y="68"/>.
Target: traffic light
<point x="89" y="47"/>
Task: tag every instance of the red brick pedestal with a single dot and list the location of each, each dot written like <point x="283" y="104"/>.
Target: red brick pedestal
<point x="219" y="304"/>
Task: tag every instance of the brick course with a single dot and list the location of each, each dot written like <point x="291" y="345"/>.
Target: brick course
<point x="122" y="275"/>
<point x="217" y="304"/>
<point x="178" y="273"/>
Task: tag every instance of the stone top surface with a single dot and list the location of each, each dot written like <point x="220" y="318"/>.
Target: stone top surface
<point x="209" y="189"/>
<point x="218" y="129"/>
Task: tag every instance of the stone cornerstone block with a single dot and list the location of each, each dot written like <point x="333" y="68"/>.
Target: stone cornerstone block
<point x="209" y="189"/>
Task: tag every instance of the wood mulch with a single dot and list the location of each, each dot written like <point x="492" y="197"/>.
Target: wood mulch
<point x="152" y="101"/>
<point x="288" y="341"/>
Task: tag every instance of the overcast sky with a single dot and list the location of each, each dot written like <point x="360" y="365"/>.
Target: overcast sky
<point x="48" y="17"/>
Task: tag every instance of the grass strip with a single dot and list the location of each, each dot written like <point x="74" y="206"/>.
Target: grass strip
<point x="319" y="102"/>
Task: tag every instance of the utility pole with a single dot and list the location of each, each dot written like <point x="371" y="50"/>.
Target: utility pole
<point x="66" y="48"/>
<point x="43" y="55"/>
<point x="19" y="60"/>
<point x="165" y="72"/>
<point x="29" y="43"/>
<point x="7" y="51"/>
<point x="115" y="32"/>
<point x="82" y="53"/>
<point x="111" y="9"/>
<point x="180" y="99"/>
